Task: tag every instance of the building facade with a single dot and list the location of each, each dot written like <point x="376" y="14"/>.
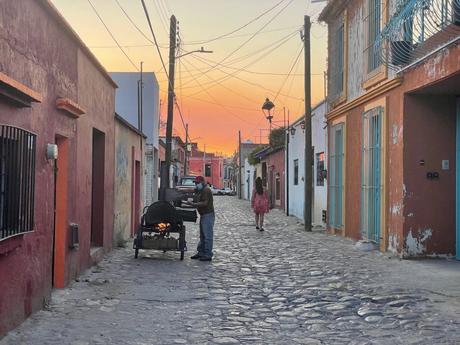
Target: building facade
<point x="393" y="119"/>
<point x="273" y="174"/>
<point x="127" y="106"/>
<point x="56" y="205"/>
<point x="295" y="156"/>
<point x="129" y="165"/>
<point x="206" y="164"/>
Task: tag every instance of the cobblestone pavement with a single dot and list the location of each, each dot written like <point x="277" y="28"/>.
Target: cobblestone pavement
<point x="283" y="286"/>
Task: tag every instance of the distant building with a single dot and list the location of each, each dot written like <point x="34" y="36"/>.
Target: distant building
<point x="207" y="164"/>
<point x="177" y="159"/>
<point x="127" y="106"/>
<point x="296" y="166"/>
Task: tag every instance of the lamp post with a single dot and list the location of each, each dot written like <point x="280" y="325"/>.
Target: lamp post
<point x="267" y="108"/>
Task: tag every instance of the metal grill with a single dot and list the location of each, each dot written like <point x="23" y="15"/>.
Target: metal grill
<point x="17" y="181"/>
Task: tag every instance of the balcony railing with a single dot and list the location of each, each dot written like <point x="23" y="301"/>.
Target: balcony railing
<point x="417" y="29"/>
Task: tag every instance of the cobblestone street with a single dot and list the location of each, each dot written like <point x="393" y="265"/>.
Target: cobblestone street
<point x="282" y="286"/>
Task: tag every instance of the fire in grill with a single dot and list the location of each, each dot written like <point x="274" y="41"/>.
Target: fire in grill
<point x="159" y="221"/>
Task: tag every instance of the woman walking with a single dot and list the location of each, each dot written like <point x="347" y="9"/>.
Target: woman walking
<point x="259" y="203"/>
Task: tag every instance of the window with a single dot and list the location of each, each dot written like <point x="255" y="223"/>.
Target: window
<point x="296" y="172"/>
<point x="374" y="23"/>
<point x="207" y="170"/>
<point x="17" y="181"/>
<point x="335" y="182"/>
<point x="339" y="78"/>
<point x="320" y="169"/>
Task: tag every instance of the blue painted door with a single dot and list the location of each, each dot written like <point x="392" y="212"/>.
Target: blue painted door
<point x="457" y="170"/>
<point x="371" y="195"/>
<point x="336" y="177"/>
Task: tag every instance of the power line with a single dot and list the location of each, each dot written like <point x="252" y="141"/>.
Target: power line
<point x="282" y="42"/>
<point x="220" y="105"/>
<point x="111" y="35"/>
<point x="241" y="27"/>
<point x="289" y="73"/>
<point x="133" y="23"/>
<point x="250" y="38"/>
<point x="164" y="45"/>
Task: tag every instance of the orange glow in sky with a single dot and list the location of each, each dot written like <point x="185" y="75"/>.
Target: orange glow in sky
<point x="217" y="100"/>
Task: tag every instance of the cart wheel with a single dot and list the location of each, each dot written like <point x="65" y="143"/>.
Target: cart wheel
<point x="136" y="253"/>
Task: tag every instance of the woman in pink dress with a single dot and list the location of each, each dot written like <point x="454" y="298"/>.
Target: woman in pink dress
<point x="259" y="203"/>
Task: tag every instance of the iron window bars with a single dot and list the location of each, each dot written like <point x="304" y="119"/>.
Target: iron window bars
<point x="17" y="181"/>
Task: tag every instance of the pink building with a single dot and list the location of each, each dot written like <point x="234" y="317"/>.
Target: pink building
<point x="272" y="162"/>
<point x="208" y="165"/>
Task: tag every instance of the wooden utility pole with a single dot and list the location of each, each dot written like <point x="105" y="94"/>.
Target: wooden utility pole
<point x="286" y="179"/>
<point x="239" y="165"/>
<point x="308" y="148"/>
<point x="169" y="124"/>
<point x="186" y="149"/>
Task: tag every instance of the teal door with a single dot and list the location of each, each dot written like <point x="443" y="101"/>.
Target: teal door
<point x="336" y="177"/>
<point x="457" y="170"/>
<point x="371" y="190"/>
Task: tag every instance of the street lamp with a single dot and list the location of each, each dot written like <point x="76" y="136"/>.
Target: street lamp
<point x="267" y="108"/>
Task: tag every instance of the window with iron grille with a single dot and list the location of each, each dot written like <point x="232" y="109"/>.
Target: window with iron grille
<point x="17" y="181"/>
<point x="374" y="23"/>
<point x="296" y="172"/>
<point x="320" y="169"/>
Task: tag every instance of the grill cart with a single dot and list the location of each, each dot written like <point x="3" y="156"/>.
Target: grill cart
<point x="162" y="228"/>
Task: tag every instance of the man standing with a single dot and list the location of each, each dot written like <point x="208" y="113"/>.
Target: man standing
<point x="205" y="206"/>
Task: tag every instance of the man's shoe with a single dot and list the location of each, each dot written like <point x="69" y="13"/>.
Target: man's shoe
<point x="196" y="256"/>
<point x="262" y="229"/>
<point x="205" y="258"/>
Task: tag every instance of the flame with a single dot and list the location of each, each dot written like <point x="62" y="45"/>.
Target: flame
<point x="162" y="226"/>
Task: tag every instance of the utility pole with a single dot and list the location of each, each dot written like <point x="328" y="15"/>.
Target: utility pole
<point x="186" y="149"/>
<point x="286" y="129"/>
<point x="165" y="183"/>
<point x="204" y="161"/>
<point x="239" y="165"/>
<point x="308" y="149"/>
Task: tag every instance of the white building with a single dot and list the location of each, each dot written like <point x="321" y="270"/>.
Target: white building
<point x="249" y="176"/>
<point x="126" y="105"/>
<point x="296" y="167"/>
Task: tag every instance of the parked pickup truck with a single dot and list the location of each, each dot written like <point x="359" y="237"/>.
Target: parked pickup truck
<point x="185" y="183"/>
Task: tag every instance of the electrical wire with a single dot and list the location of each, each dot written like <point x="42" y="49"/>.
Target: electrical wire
<point x="251" y="63"/>
<point x="239" y="28"/>
<point x="289" y="73"/>
<point x="132" y="22"/>
<point x="250" y="38"/>
<point x="111" y="35"/>
<point x="220" y="105"/>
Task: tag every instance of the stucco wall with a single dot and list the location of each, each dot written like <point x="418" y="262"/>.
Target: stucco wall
<point x="126" y="141"/>
<point x="36" y="51"/>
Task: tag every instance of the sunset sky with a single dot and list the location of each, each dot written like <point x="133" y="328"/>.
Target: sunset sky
<point x="255" y="61"/>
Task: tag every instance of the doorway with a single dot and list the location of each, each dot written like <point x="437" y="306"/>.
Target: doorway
<point x="98" y="181"/>
<point x="136" y="194"/>
<point x="61" y="171"/>
<point x="457" y="173"/>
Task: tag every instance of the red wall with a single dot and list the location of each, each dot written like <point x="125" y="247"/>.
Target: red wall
<point x="276" y="163"/>
<point x="196" y="167"/>
<point x="59" y="69"/>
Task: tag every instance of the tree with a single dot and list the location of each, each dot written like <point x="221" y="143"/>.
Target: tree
<point x="252" y="156"/>
<point x="278" y="137"/>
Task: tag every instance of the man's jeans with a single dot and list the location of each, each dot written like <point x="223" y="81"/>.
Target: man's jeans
<point x="206" y="235"/>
